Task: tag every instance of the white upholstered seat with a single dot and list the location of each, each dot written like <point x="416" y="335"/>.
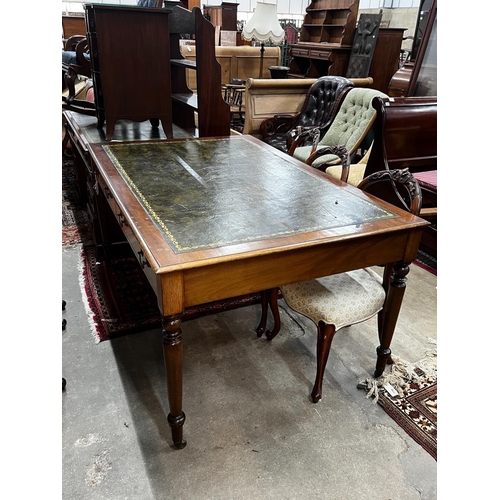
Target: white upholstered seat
<point x="340" y="300"/>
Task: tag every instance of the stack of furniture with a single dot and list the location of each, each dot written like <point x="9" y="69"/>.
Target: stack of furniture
<point x="139" y="73"/>
<point x="326" y="39"/>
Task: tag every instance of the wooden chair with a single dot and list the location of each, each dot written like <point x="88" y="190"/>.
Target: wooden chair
<point x="76" y="62"/>
<point x="233" y="95"/>
<point x="321" y="103"/>
<point x="350" y="127"/>
<point x="405" y="136"/>
<point x="428" y="186"/>
<point x="340" y="300"/>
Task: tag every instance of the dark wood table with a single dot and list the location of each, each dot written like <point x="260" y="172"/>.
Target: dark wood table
<point x="216" y="218"/>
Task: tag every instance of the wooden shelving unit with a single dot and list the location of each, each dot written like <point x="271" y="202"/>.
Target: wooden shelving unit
<point x="325" y="40"/>
<point x="204" y="113"/>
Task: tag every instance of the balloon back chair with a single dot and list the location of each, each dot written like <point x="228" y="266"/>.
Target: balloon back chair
<point x="340" y="300"/>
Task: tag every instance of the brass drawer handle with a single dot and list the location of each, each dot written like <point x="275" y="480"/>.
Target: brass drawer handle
<point x="121" y="219"/>
<point x="142" y="260"/>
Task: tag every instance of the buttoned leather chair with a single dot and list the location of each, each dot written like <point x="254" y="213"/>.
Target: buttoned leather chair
<point x="351" y="127"/>
<point x="340" y="300"/>
<point x="321" y="102"/>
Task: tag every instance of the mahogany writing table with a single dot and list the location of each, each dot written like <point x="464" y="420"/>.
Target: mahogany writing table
<point x="210" y="219"/>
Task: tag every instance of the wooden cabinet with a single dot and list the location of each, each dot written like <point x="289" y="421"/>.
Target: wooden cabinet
<point x="385" y="61"/>
<point x="316" y="61"/>
<point x="328" y="21"/>
<point x="73" y="25"/>
<point x="418" y="76"/>
<point x="223" y="15"/>
<point x="130" y="60"/>
<point x="204" y="113"/>
<point x="325" y="40"/>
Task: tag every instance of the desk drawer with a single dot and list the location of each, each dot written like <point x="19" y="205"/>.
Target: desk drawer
<point x="320" y="54"/>
<point x="129" y="235"/>
<point x="294" y="52"/>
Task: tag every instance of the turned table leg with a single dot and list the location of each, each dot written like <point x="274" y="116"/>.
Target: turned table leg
<point x="391" y="312"/>
<point x="172" y="350"/>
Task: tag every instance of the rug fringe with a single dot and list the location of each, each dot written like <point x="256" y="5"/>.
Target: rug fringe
<point x="85" y="299"/>
<point x="401" y="374"/>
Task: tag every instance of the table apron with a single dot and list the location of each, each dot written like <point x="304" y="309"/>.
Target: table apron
<point x="237" y="277"/>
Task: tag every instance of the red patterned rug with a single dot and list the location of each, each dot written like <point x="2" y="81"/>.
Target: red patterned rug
<point x="416" y="412"/>
<point x="427" y="262"/>
<point x="121" y="300"/>
<point x="75" y="219"/>
<point x="408" y="394"/>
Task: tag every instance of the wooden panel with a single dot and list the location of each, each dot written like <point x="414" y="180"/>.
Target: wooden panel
<point x="130" y="57"/>
<point x="240" y="62"/>
<point x="385" y="61"/>
<point x="265" y="98"/>
<point x="73" y="25"/>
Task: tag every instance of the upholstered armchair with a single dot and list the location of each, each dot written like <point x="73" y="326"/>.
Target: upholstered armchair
<point x="321" y="103"/>
<point x="340" y="300"/>
<point x="356" y="172"/>
<point x="350" y="127"/>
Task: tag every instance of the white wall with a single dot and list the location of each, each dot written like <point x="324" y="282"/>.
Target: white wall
<point x="289" y="9"/>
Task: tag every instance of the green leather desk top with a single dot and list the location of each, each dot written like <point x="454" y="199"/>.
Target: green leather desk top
<point x="217" y="192"/>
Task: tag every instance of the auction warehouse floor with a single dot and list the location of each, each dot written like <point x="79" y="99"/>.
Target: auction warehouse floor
<point x="251" y="430"/>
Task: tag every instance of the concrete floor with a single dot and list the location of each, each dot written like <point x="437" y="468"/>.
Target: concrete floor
<point x="251" y="431"/>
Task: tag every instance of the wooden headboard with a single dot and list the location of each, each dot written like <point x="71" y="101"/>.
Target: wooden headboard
<point x="405" y="134"/>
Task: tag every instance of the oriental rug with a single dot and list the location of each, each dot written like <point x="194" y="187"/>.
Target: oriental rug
<point x="408" y="394"/>
<point x="120" y="300"/>
<point x="427" y="262"/>
<point x="75" y="219"/>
